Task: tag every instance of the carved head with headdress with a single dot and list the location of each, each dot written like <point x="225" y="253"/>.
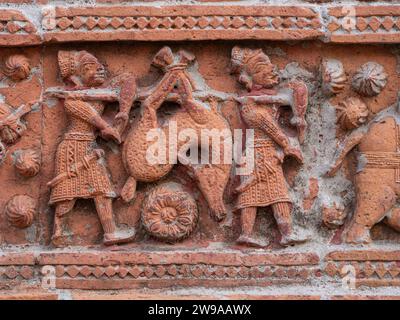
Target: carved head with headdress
<point x="81" y="68"/>
<point x="352" y="113"/>
<point x="253" y="67"/>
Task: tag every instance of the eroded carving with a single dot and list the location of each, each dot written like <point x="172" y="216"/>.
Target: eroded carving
<point x="333" y="76"/>
<point x="378" y="174"/>
<point x="12" y="127"/>
<point x="20" y="211"/>
<point x="259" y="108"/>
<point x="333" y="216"/>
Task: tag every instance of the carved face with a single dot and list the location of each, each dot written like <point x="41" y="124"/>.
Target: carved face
<point x="92" y="73"/>
<point x="263" y="74"/>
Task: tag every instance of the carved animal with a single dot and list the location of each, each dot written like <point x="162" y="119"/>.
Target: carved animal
<point x="211" y="178"/>
<point x="378" y="182"/>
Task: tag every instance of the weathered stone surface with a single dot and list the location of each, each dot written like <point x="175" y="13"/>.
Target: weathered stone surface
<point x="276" y="175"/>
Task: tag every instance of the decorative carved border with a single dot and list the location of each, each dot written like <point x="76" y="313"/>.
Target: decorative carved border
<point x="16" y="29"/>
<point x="184" y="23"/>
<point x="160" y="269"/>
<point x="127" y="270"/>
<point x="100" y="270"/>
<point x="372" y="268"/>
<point x="370" y="24"/>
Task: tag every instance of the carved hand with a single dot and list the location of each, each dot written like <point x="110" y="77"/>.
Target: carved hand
<point x="294" y="152"/>
<point x="110" y="133"/>
<point x="99" y="153"/>
<point x="246" y="184"/>
<point x="333" y="169"/>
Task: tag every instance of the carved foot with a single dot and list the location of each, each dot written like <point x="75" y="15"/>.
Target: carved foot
<point x="59" y="241"/>
<point x="292" y="239"/>
<point x="358" y="234"/>
<point x="251" y="241"/>
<point x="218" y="212"/>
<point x="119" y="237"/>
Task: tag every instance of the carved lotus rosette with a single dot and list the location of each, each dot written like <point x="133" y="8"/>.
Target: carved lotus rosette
<point x="20" y="211"/>
<point x="17" y="67"/>
<point x="169" y="213"/>
<point x="370" y="79"/>
<point x="333" y="76"/>
<point x="3" y="152"/>
<point x="28" y="163"/>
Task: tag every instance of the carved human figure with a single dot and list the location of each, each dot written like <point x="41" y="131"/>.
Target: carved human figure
<point x="266" y="185"/>
<point x="377" y="181"/>
<point x="80" y="165"/>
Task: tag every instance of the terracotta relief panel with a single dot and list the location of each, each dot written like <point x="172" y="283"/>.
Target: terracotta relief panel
<point x="196" y="146"/>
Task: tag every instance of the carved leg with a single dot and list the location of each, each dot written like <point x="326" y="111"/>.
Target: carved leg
<point x="105" y="212"/>
<point x="247" y="220"/>
<point x="62" y="208"/>
<point x="372" y="205"/>
<point x="283" y="216"/>
<point x="129" y="190"/>
<point x="393" y="219"/>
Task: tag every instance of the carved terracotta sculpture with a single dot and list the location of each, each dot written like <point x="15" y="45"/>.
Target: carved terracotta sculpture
<point x="333" y="76"/>
<point x="169" y="212"/>
<point x="20" y="211"/>
<point x="28" y="163"/>
<point x="377" y="181"/>
<point x="259" y="109"/>
<point x="176" y="85"/>
<point x="17" y="67"/>
<point x="11" y="125"/>
<point x="370" y="79"/>
<point x="80" y="165"/>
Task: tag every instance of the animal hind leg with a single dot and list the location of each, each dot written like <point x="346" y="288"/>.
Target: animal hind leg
<point x="393" y="219"/>
<point x="371" y="208"/>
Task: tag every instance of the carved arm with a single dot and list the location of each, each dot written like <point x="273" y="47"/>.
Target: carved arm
<point x="348" y="144"/>
<point x="85" y="111"/>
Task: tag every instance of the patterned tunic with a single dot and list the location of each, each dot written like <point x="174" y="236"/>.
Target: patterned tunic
<point x="269" y="184"/>
<point x="79" y="143"/>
